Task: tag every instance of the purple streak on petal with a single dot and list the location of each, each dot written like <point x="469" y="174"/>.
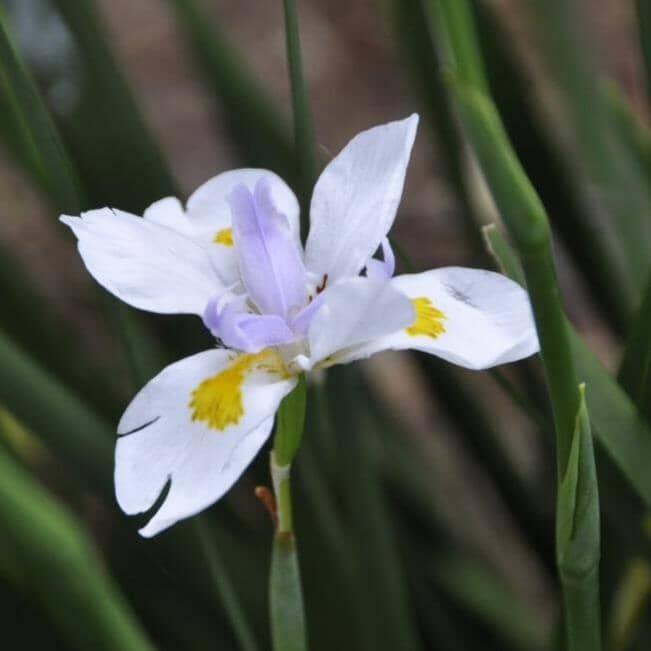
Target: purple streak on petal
<point x="301" y="322"/>
<point x="271" y="263"/>
<point x="382" y="269"/>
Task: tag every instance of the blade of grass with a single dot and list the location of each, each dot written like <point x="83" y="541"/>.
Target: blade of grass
<point x="225" y="592"/>
<point x="61" y="566"/>
<point x="523" y="213"/>
<point x="630" y="602"/>
<point x="107" y="132"/>
<point x="550" y="172"/>
<point x="617" y="423"/>
<point x="258" y="128"/>
<point x="417" y="38"/>
<point x="384" y="600"/>
<point x="303" y="129"/>
<point x="62" y="421"/>
<point x="42" y="145"/>
<point x="643" y="9"/>
<point x="615" y="175"/>
<point x="480" y="590"/>
<point x="578" y="546"/>
<point x="635" y="370"/>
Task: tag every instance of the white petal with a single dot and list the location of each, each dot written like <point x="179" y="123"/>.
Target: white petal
<point x="356" y="198"/>
<point x="143" y="263"/>
<point x="169" y="212"/>
<point x="208" y="206"/>
<point x="355" y="311"/>
<point x="161" y="441"/>
<point x="486" y="319"/>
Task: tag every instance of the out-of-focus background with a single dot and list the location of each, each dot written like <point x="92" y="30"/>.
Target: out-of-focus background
<point x="425" y="496"/>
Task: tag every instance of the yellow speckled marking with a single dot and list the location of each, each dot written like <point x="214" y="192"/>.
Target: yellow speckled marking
<point x="224" y="236"/>
<point x="217" y="401"/>
<point x="429" y="319"/>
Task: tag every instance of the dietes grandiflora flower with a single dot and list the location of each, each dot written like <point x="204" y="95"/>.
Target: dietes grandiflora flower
<point x="233" y="256"/>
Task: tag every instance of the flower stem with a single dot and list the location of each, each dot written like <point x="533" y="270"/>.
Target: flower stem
<point x="285" y="595"/>
<point x="303" y="130"/>
<point x="528" y="224"/>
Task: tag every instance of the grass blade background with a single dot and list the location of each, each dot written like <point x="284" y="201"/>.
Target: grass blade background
<point x="43" y="147"/>
<point x="106" y="132"/>
<point x="578" y="540"/>
<point x="56" y="557"/>
<point x="258" y="128"/>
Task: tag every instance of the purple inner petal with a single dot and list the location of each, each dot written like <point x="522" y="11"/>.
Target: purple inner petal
<point x="242" y="330"/>
<point x="270" y="261"/>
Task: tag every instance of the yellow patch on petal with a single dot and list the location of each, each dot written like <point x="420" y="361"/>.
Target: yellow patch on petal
<point x="217" y="401"/>
<point x="428" y="321"/>
<point x="224" y="236"/>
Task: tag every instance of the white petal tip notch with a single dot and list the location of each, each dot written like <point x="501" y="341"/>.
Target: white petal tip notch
<point x="197" y="426"/>
<point x="143" y="262"/>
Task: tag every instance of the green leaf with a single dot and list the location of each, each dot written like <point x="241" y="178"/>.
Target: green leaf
<point x="643" y="8"/>
<point x="522" y="211"/>
<point x="578" y="540"/>
<point x="285" y="596"/>
<point x="612" y="173"/>
<point x="629" y="605"/>
<point x="224" y="587"/>
<point x="635" y="369"/>
<point x="60" y="565"/>
<point x="106" y="131"/>
<point x="476" y="587"/>
<point x="39" y="140"/>
<point x="577" y="524"/>
<point x="303" y="129"/>
<point x="69" y="428"/>
<point x="617" y="423"/>
<point x="258" y="128"/>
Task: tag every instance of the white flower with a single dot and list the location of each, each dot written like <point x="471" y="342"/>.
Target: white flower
<point x="233" y="256"/>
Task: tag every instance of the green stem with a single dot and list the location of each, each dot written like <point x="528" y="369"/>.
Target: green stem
<point x="285" y="594"/>
<point x="303" y="130"/>
<point x="527" y="221"/>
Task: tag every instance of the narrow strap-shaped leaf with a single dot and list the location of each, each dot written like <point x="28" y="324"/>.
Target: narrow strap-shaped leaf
<point x="57" y="558"/>
<point x="523" y="213"/>
<point x="578" y="545"/>
<point x="303" y="129"/>
<point x="643" y="8"/>
<point x="612" y="171"/>
<point x="258" y="128"/>
<point x="106" y="131"/>
<point x="630" y="604"/>
<point x="617" y="423"/>
<point x="39" y="142"/>
<point x="635" y="369"/>
<point x="224" y="587"/>
<point x="63" y="422"/>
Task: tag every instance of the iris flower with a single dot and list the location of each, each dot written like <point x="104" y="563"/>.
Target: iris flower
<point x="233" y="256"/>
